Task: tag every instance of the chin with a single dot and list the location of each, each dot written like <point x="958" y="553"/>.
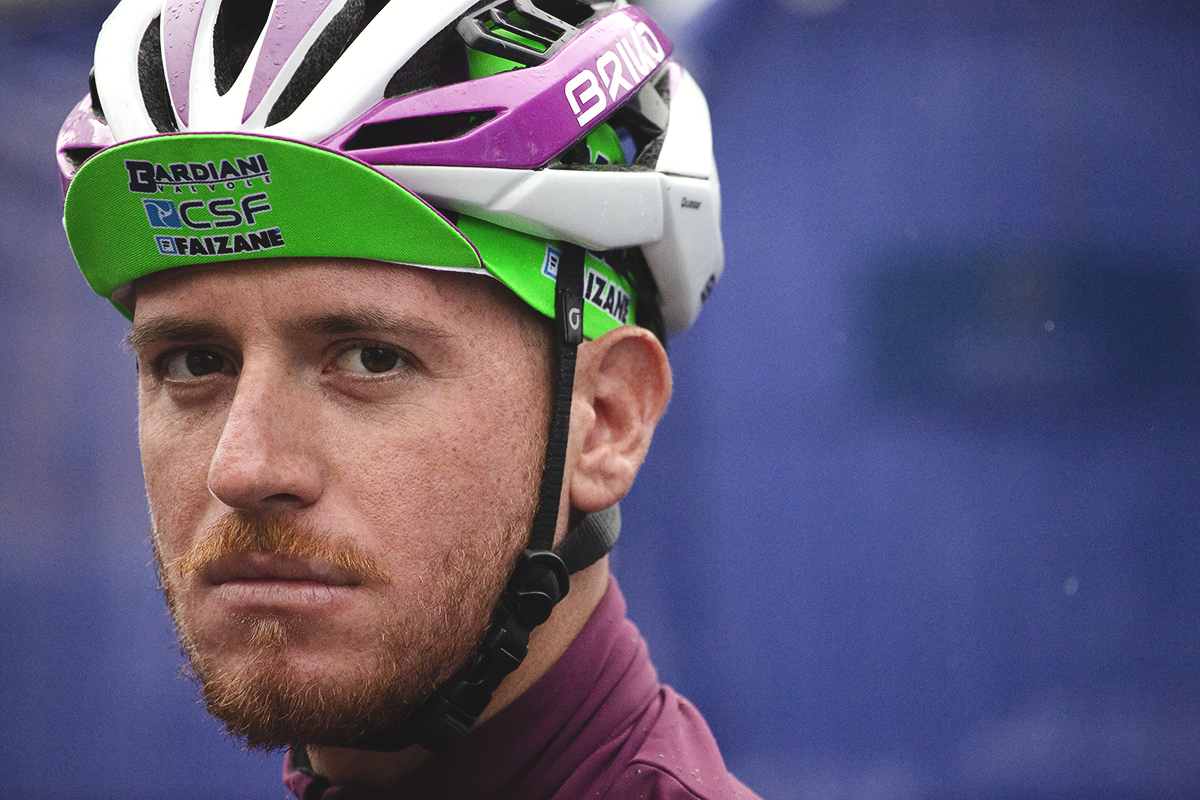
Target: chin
<point x="280" y="687"/>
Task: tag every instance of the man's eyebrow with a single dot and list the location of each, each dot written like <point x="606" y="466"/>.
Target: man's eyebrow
<point x="180" y="329"/>
<point x="369" y="321"/>
<point x="170" y="329"/>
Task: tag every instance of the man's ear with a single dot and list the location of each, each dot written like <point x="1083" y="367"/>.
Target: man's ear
<point x="622" y="384"/>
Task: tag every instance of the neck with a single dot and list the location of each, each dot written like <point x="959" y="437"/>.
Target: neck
<point x="340" y="765"/>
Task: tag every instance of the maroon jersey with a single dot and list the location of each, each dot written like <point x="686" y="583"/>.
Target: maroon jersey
<point x="598" y="724"/>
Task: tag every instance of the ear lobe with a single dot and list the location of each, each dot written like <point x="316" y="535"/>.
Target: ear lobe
<point x="622" y="384"/>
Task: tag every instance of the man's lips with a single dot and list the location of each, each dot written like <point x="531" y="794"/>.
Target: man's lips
<point x="259" y="567"/>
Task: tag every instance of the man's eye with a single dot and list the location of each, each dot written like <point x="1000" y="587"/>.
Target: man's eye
<point x="188" y="365"/>
<point x="369" y="360"/>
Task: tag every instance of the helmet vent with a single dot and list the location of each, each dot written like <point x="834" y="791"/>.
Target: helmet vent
<point x="239" y="26"/>
<point x="77" y="155"/>
<point x="341" y="32"/>
<point x="574" y="12"/>
<point x="521" y="31"/>
<point x="97" y="109"/>
<point x="152" y="80"/>
<point x="417" y="130"/>
<point x="370" y="9"/>
<point x="437" y="63"/>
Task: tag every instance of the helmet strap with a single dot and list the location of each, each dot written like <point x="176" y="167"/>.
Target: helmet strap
<point x="539" y="579"/>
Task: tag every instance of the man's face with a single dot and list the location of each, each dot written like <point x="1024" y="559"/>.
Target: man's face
<point x="342" y="462"/>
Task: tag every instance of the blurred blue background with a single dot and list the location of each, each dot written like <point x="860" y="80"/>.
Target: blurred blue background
<point x="922" y="519"/>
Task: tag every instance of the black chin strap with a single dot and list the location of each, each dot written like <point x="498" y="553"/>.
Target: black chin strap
<point x="591" y="539"/>
<point x="539" y="580"/>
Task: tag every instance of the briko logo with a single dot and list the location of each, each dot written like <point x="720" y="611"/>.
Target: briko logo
<point x="631" y="58"/>
<point x="148" y="177"/>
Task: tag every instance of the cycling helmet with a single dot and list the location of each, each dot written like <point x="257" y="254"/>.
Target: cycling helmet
<point x="464" y="136"/>
<point x="555" y="145"/>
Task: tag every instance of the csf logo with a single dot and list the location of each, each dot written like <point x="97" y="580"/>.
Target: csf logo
<point x="220" y="212"/>
<point x="632" y="58"/>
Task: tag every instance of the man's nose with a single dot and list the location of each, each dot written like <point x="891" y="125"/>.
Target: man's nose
<point x="264" y="459"/>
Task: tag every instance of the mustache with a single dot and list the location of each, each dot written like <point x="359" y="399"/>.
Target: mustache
<point x="236" y="533"/>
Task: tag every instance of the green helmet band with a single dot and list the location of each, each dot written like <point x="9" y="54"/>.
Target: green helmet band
<point x="171" y="201"/>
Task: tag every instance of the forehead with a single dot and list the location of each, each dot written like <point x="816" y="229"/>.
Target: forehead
<point x="267" y="291"/>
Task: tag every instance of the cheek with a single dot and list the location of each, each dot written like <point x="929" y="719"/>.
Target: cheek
<point x="175" y="460"/>
<point x="447" y="476"/>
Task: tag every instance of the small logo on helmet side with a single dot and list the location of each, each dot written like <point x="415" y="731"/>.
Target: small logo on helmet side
<point x="550" y="264"/>
<point x="607" y="296"/>
<point x="602" y="292"/>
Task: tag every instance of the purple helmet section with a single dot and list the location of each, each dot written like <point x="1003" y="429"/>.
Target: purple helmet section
<point x="82" y="129"/>
<point x="605" y="64"/>
<point x="542" y="109"/>
<point x="285" y="30"/>
<point x="180" y="29"/>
